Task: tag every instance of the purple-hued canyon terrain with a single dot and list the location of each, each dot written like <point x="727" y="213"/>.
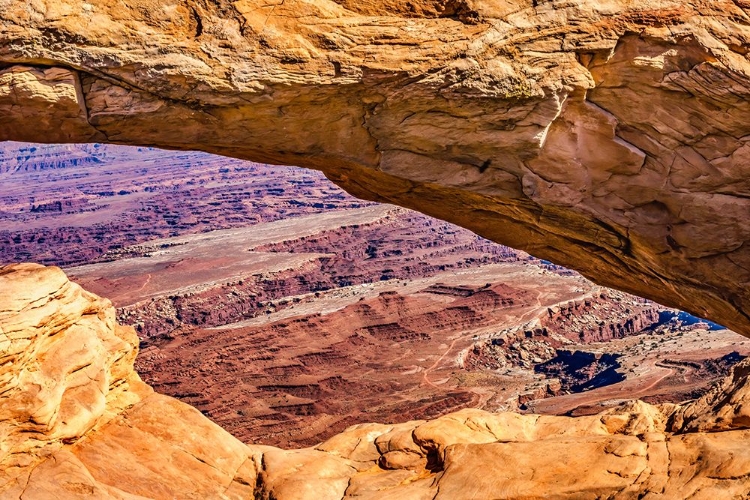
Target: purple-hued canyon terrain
<point x="286" y="310"/>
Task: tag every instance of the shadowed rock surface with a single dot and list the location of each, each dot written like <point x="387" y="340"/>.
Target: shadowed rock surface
<point x="78" y="423"/>
<point x="607" y="136"/>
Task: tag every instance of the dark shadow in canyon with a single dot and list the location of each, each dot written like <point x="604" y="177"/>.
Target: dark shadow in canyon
<point x="581" y="371"/>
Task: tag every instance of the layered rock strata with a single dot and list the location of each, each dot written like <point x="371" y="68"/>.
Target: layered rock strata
<point x="609" y="136"/>
<point x="78" y="423"/>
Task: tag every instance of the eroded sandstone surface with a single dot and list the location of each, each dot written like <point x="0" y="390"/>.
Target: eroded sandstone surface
<point x="608" y="136"/>
<point x="78" y="423"/>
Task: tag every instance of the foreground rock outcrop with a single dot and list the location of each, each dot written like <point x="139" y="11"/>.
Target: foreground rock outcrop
<point x="75" y="419"/>
<point x="78" y="423"/>
<point x="609" y="136"/>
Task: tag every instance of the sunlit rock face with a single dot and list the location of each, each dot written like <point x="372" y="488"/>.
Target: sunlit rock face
<point x="75" y="419"/>
<point x="77" y="423"/>
<point x="609" y="136"/>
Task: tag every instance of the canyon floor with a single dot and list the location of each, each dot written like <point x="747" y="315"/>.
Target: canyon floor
<point x="287" y="311"/>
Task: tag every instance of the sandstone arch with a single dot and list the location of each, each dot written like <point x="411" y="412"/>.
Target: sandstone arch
<point x="611" y="137"/>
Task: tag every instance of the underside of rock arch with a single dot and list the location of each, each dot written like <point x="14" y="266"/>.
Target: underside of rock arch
<point x="612" y="137"/>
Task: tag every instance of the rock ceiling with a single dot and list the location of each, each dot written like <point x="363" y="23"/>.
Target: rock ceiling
<point x="608" y="136"/>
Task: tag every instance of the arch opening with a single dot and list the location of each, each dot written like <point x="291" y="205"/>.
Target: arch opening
<point x="265" y="295"/>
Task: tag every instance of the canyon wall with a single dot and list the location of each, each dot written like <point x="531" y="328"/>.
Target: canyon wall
<point x="609" y="136"/>
<point x="78" y="423"/>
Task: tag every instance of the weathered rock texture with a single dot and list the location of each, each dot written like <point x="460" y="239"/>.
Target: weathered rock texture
<point x="610" y="136"/>
<point x="75" y="419"/>
<point x="78" y="423"/>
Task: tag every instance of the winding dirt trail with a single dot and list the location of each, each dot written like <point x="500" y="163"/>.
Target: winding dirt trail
<point x="145" y="283"/>
<point x="535" y="310"/>
<point x="426" y="377"/>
